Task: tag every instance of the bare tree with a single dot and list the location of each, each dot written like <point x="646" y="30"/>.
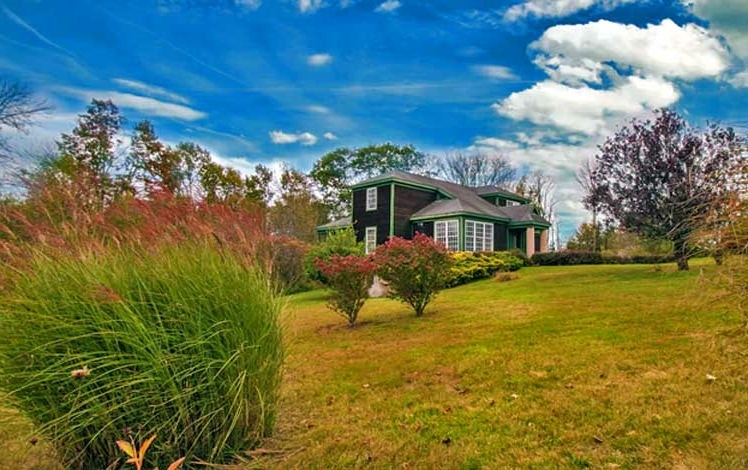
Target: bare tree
<point x="584" y="180"/>
<point x="18" y="108"/>
<point x="540" y="188"/>
<point x="478" y="169"/>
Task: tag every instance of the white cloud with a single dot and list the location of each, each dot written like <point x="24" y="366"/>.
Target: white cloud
<point x="319" y="60"/>
<point x="388" y="7"/>
<point x="151" y="90"/>
<point x="740" y="80"/>
<point x="557" y="8"/>
<point x="582" y="52"/>
<point x="728" y="19"/>
<point x="310" y="6"/>
<point x="496" y="72"/>
<point x="282" y="138"/>
<point x="23" y="24"/>
<point x="249" y="4"/>
<point x="317" y="109"/>
<point x="494" y="144"/>
<point x="330" y="136"/>
<point x="583" y="109"/>
<point x="148" y="106"/>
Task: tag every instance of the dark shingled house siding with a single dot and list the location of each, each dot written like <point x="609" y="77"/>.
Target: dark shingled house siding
<point x="408" y="201"/>
<point x="500" y="242"/>
<point x="426" y="228"/>
<point x="379" y="218"/>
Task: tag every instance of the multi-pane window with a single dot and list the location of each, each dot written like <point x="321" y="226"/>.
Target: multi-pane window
<point x="370" y="242"/>
<point x="371" y="199"/>
<point x="478" y="236"/>
<point x="447" y="233"/>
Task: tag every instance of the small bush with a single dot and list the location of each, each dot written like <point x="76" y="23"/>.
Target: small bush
<point x="415" y="269"/>
<point x="183" y="342"/>
<point x="517" y="253"/>
<point x="349" y="277"/>
<point x="340" y="242"/>
<point x="284" y="257"/>
<point x="470" y="266"/>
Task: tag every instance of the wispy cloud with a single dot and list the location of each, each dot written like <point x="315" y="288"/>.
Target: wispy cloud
<point x="283" y="138"/>
<point x="20" y="22"/>
<point x="249" y="4"/>
<point x="495" y="72"/>
<point x="388" y="7"/>
<point x="317" y="109"/>
<point x="151" y="90"/>
<point x="146" y="105"/>
<point x="310" y="6"/>
<point x="557" y="9"/>
<point x="319" y="60"/>
<point x="330" y="136"/>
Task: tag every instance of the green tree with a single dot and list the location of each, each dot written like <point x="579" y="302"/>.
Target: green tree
<point x="335" y="171"/>
<point x="89" y="153"/>
<point x="297" y="211"/>
<point x="592" y="237"/>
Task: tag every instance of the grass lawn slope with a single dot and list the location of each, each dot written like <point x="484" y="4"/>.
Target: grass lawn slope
<point x="564" y="367"/>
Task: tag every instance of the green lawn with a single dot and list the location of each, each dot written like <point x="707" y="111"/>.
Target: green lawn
<point x="564" y="367"/>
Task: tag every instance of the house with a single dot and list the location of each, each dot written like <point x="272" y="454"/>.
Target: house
<point x="459" y="217"/>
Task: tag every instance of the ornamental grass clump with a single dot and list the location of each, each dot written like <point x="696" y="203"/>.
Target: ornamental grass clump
<point x="349" y="278"/>
<point x="415" y="270"/>
<point x="181" y="341"/>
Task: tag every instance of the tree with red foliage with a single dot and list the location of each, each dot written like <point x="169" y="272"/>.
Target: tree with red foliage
<point x="416" y="270"/>
<point x="349" y="277"/>
<point x="659" y="178"/>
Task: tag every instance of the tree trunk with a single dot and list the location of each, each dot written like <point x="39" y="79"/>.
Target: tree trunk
<point x="681" y="257"/>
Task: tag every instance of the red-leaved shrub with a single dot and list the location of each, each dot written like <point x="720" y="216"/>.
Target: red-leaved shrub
<point x="414" y="269"/>
<point x="349" y="277"/>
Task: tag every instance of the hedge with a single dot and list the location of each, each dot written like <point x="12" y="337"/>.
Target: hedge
<point x="568" y="258"/>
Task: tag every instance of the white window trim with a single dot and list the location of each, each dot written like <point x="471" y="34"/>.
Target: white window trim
<point x="370" y="244"/>
<point x="473" y="242"/>
<point x="371" y="202"/>
<point x="446" y="240"/>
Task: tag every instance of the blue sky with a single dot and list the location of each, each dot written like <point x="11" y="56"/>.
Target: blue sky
<point x="270" y="81"/>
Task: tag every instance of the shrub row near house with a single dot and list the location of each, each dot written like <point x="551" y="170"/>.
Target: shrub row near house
<point x="568" y="258"/>
<point x="470" y="266"/>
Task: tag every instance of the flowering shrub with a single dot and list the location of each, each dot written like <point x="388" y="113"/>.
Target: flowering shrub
<point x="349" y="277"/>
<point x="470" y="266"/>
<point x="415" y="269"/>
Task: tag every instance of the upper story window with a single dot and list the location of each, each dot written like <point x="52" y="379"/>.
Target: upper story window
<point x="371" y="199"/>
<point x="446" y="232"/>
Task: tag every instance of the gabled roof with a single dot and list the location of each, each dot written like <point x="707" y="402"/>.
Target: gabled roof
<point x="498" y="191"/>
<point x="461" y="199"/>
<point x="336" y="224"/>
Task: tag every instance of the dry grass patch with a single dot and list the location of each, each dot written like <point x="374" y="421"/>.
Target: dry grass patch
<point x="573" y="367"/>
<point x="565" y="367"/>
